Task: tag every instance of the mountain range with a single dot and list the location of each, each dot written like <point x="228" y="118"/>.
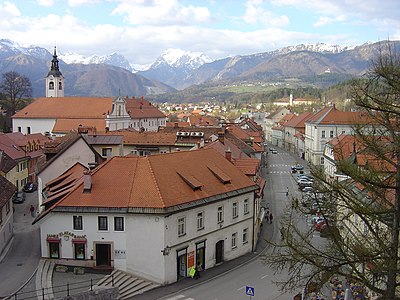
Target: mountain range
<point x="319" y="64"/>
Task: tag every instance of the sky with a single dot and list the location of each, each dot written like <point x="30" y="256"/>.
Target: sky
<point x="142" y="30"/>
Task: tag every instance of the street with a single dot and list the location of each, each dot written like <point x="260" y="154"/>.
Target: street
<point x="232" y="284"/>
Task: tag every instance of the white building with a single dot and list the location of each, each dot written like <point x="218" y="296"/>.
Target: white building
<point x="7" y="191"/>
<point x="325" y="125"/>
<point x="54" y="79"/>
<point x="154" y="216"/>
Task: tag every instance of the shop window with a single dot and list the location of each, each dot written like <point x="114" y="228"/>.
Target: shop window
<point x="54" y="248"/>
<point x="79" y="250"/>
<point x="119" y="224"/>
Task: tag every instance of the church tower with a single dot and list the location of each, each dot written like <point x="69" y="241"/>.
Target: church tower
<point x="54" y="79"/>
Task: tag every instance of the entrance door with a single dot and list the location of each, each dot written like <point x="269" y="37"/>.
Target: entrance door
<point x="201" y="254"/>
<point x="181" y="263"/>
<point x="219" y="252"/>
<point x="103" y="255"/>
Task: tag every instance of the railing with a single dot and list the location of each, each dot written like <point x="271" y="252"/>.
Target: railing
<point x="64" y="290"/>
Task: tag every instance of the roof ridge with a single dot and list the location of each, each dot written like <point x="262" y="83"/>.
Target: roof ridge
<point x="155" y="181"/>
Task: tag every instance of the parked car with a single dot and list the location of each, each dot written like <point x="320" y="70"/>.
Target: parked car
<point x="19" y="197"/>
<point x="30" y="187"/>
<point x="293" y="169"/>
<point x="303" y="181"/>
<point x="304" y="176"/>
<point x="274" y="152"/>
<point x="299" y="167"/>
<point x="307" y="189"/>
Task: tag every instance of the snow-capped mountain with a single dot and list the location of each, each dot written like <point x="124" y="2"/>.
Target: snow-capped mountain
<point x="319" y="47"/>
<point x="113" y="59"/>
<point x="8" y="47"/>
<point x="177" y="58"/>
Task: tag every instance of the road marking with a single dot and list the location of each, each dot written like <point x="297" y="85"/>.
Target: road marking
<point x="264" y="276"/>
<point x="243" y="287"/>
<point x="177" y="297"/>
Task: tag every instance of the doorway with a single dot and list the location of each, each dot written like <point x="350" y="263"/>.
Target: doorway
<point x="181" y="263"/>
<point x="103" y="255"/>
<point x="219" y="252"/>
<point x="201" y="254"/>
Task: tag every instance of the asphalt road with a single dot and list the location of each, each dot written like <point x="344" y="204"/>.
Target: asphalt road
<point x="232" y="284"/>
<point x="22" y="258"/>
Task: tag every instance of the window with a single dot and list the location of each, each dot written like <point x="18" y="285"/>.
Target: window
<point x="234" y="210"/>
<point x="181" y="226"/>
<point x="28" y="130"/>
<point x="322" y="159"/>
<point x="102" y="222"/>
<point x="220" y="214"/>
<point x="234" y="240"/>
<point x="245" y="236"/>
<point x="331" y="134"/>
<point x="246" y="206"/>
<point x="119" y="224"/>
<point x="323" y="134"/>
<point x="7" y="207"/>
<point x="79" y="250"/>
<point x="200" y="220"/>
<point x="60" y="85"/>
<point x="106" y="152"/>
<point x="78" y="223"/>
<point x="51" y="85"/>
<point x="54" y="249"/>
<point x="343" y="131"/>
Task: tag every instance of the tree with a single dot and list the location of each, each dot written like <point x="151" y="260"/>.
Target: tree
<point x="362" y="212"/>
<point x="16" y="91"/>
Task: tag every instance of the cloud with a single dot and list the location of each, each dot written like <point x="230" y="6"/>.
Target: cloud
<point x="46" y="3"/>
<point x="323" y="21"/>
<point x="161" y="12"/>
<point x="75" y="3"/>
<point x="256" y="14"/>
<point x="8" y="9"/>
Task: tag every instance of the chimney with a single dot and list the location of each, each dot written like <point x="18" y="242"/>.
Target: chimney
<point x="221" y="136"/>
<point x="87" y="181"/>
<point x="228" y="154"/>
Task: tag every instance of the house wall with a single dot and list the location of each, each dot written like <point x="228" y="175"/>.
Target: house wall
<point x="19" y="174"/>
<point x="36" y="125"/>
<point x="116" y="150"/>
<point x="78" y="152"/>
<point x="6" y="224"/>
<point x="315" y="142"/>
<point x="149" y="124"/>
<point x="146" y="235"/>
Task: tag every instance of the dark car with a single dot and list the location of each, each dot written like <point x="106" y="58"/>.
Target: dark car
<point x="19" y="197"/>
<point x="30" y="187"/>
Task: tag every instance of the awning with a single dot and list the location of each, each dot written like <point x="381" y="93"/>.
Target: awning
<point x="79" y="241"/>
<point x="52" y="239"/>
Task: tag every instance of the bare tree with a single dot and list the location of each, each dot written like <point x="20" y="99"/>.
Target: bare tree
<point x="15" y="90"/>
<point x="362" y="212"/>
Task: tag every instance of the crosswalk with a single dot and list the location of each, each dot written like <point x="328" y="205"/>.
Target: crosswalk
<point x="179" y="297"/>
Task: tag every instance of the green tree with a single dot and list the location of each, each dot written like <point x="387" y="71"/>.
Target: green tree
<point x="362" y="212"/>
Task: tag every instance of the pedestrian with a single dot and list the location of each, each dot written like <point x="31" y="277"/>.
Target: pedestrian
<point x="270" y="218"/>
<point x="198" y="270"/>
<point x="287" y="191"/>
<point x="267" y="216"/>
<point x="32" y="210"/>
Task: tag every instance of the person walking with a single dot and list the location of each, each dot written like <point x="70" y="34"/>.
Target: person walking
<point x="267" y="216"/>
<point x="32" y="210"/>
<point x="287" y="191"/>
<point x="270" y="218"/>
<point x="198" y="270"/>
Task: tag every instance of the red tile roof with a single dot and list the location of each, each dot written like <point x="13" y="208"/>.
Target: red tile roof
<point x="298" y="121"/>
<point x="330" y="115"/>
<point x="67" y="125"/>
<point x="11" y="147"/>
<point x="146" y="137"/>
<point x="154" y="181"/>
<point x="139" y="108"/>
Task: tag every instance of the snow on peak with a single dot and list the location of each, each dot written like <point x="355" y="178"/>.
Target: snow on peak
<point x="180" y="58"/>
<point x="319" y="47"/>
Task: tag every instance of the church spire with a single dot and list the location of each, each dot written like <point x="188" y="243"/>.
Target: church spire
<point x="54" y="70"/>
<point x="54" y="79"/>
